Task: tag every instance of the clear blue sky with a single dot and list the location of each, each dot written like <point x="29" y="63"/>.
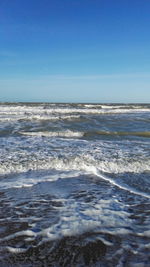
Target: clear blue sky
<point x="78" y="51"/>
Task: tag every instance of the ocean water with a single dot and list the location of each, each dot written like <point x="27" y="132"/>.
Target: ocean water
<point x="74" y="185"/>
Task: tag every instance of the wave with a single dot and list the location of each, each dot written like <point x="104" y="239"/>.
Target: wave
<point x="85" y="163"/>
<point x="54" y="117"/>
<point x="66" y="109"/>
<point x="67" y="133"/>
<point x="39" y="118"/>
<point x="102" y="170"/>
<point x="121" y="185"/>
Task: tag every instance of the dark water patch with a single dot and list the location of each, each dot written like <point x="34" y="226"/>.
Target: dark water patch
<point x="89" y="249"/>
<point x="5" y="132"/>
<point x="117" y="133"/>
<point x="83" y="250"/>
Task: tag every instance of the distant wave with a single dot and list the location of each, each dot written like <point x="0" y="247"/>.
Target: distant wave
<point x="67" y="133"/>
<point x="67" y="109"/>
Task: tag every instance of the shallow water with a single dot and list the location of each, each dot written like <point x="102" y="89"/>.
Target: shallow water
<point x="74" y="184"/>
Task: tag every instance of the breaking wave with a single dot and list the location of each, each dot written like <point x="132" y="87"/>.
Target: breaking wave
<point x="78" y="163"/>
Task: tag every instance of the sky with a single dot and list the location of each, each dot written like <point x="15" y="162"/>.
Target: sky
<point x="75" y="50"/>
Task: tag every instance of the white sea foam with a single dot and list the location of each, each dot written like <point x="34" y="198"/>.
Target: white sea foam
<point x="38" y="117"/>
<point x="75" y="217"/>
<point x="21" y="233"/>
<point x="16" y="250"/>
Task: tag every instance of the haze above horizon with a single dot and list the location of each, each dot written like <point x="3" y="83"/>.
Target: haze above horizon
<point x="75" y="51"/>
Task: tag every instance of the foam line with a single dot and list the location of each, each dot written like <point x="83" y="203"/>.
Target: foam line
<point x="128" y="189"/>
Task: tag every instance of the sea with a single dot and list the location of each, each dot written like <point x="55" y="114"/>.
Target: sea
<point x="74" y="185"/>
